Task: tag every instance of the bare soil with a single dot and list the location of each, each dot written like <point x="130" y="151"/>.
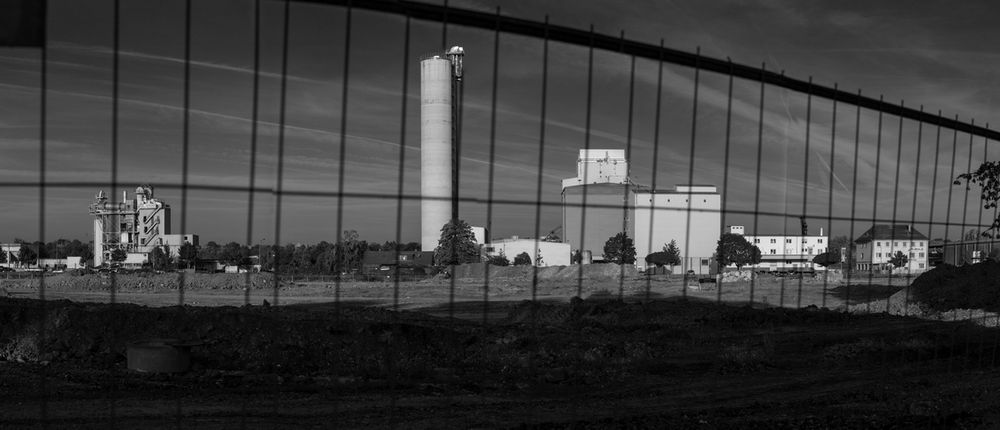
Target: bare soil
<point x="637" y="353"/>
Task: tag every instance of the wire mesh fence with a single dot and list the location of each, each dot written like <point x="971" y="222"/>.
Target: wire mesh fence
<point x="317" y="141"/>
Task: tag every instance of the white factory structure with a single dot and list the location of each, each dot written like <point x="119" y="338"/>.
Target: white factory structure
<point x="785" y="253"/>
<point x="135" y="225"/>
<point x="440" y="78"/>
<point x="542" y="253"/>
<point x="602" y="201"/>
<point x="688" y="214"/>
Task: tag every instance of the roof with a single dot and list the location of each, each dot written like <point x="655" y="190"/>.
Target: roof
<point x="890" y="232"/>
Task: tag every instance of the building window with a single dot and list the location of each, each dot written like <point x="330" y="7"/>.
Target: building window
<point x="879" y="255"/>
<point x="819" y="240"/>
<point x="755" y="240"/>
<point x="911" y="255"/>
<point x="921" y="265"/>
<point x="773" y="252"/>
<point x="489" y="249"/>
<point x="921" y="255"/>
<point x="878" y="243"/>
<point x="704" y="262"/>
<point x="774" y="241"/>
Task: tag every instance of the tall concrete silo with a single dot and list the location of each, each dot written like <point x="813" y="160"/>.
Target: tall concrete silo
<point x="437" y="119"/>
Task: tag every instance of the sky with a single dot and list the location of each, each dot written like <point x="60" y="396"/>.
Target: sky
<point x="929" y="54"/>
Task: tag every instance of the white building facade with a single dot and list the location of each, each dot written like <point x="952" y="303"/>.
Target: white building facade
<point x="875" y="248"/>
<point x="785" y="253"/>
<point x="543" y="254"/>
<point x="689" y="215"/>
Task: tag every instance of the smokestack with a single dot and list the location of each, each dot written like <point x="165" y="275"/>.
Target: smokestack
<point x="436" y="161"/>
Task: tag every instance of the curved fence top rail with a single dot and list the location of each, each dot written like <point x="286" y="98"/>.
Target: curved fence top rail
<point x="569" y="35"/>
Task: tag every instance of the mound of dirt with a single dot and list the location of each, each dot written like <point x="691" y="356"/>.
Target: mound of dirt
<point x="974" y="286"/>
<point x="947" y="293"/>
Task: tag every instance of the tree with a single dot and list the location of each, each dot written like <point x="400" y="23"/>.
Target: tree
<point x="187" y="254"/>
<point x="457" y="245"/>
<point x="735" y="249"/>
<point x="619" y="249"/>
<point x="827" y="258"/>
<point x="972" y="234"/>
<point x="211" y="251"/>
<point x="899" y="259"/>
<point x="26" y="255"/>
<point x="498" y="260"/>
<point x="158" y="259"/>
<point x="522" y="259"/>
<point x="659" y="259"/>
<point x="350" y="251"/>
<point x="673" y="256"/>
<point x="235" y="254"/>
<point x="118" y="255"/>
<point x="987" y="176"/>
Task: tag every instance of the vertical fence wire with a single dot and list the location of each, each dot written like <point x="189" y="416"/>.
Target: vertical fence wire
<point x="913" y="211"/>
<point x="760" y="154"/>
<point x="254" y="115"/>
<point x="586" y="147"/>
<point x="895" y="204"/>
<point x="829" y="204"/>
<point x="342" y="155"/>
<point x="43" y="377"/>
<point x="854" y="194"/>
<point x="805" y="186"/>
<point x="656" y="158"/>
<point x="112" y="393"/>
<point x="723" y="204"/>
<point x="689" y="199"/>
<point x="628" y="156"/>
<point x="493" y="157"/>
<point x="872" y="231"/>
<point x="279" y="169"/>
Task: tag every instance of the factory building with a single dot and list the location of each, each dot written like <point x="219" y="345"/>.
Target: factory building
<point x="542" y="253"/>
<point x="785" y="253"/>
<point x="440" y="92"/>
<point x="598" y="203"/>
<point x="688" y="214"/>
<point x="602" y="201"/>
<point x="874" y="249"/>
<point x="135" y="225"/>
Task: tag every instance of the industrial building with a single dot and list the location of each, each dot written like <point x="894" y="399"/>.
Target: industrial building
<point x="602" y="201"/>
<point x="542" y="253"/>
<point x="874" y="248"/>
<point x="440" y="86"/>
<point x="688" y="214"/>
<point x="785" y="253"/>
<point x="598" y="203"/>
<point x="135" y="225"/>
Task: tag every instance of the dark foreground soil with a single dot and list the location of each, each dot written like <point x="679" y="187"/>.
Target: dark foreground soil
<point x="583" y="364"/>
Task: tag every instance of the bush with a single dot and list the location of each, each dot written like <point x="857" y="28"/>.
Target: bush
<point x="498" y="260"/>
<point x="522" y="259"/>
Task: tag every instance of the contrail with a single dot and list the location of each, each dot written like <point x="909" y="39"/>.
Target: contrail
<point x="828" y="169"/>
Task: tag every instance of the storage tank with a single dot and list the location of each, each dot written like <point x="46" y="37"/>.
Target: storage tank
<point x="435" y="149"/>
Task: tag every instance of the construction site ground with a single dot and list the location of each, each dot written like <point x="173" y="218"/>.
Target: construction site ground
<point x="334" y="355"/>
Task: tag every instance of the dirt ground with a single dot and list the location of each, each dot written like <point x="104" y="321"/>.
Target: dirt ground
<point x="328" y="358"/>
